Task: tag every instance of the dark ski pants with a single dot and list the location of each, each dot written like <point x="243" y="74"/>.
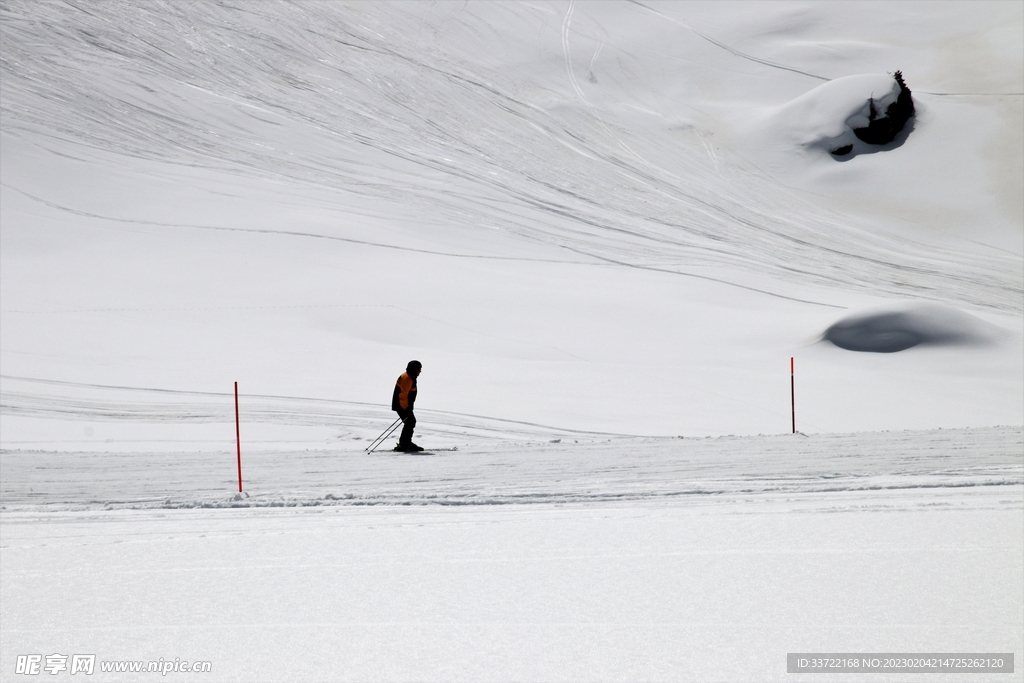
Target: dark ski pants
<point x="410" y="424"/>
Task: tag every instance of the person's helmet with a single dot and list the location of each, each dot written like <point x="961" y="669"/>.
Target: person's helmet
<point x="414" y="365"/>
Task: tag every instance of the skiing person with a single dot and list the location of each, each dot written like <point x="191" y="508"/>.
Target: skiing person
<point x="402" y="402"/>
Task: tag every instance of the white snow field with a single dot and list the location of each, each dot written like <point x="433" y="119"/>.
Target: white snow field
<point x="604" y="228"/>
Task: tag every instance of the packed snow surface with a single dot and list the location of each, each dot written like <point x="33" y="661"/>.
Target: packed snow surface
<point x="605" y="229"/>
<point x="575" y="559"/>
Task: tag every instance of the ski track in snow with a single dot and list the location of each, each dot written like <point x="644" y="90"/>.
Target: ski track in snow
<point x="50" y="399"/>
<point x="884" y="470"/>
<point x="330" y="77"/>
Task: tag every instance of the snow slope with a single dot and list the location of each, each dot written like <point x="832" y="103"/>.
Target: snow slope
<point x="301" y="197"/>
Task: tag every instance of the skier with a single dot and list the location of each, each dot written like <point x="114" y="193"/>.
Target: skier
<point x="402" y="402"/>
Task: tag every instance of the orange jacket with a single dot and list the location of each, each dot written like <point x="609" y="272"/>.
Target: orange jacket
<point x="405" y="393"/>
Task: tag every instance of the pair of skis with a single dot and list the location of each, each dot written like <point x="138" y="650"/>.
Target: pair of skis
<point x="391" y="430"/>
<point x="426" y="451"/>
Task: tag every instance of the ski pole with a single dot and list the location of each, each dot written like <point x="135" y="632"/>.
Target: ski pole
<point x="384" y="435"/>
<point x="380" y="439"/>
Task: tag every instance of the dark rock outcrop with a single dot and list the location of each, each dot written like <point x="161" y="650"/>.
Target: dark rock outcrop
<point x="881" y="130"/>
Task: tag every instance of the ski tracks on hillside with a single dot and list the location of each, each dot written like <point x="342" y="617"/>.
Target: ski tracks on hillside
<point x="358" y="101"/>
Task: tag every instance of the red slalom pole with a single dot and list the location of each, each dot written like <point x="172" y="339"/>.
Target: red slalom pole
<point x="793" y="395"/>
<point x="238" y="440"/>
